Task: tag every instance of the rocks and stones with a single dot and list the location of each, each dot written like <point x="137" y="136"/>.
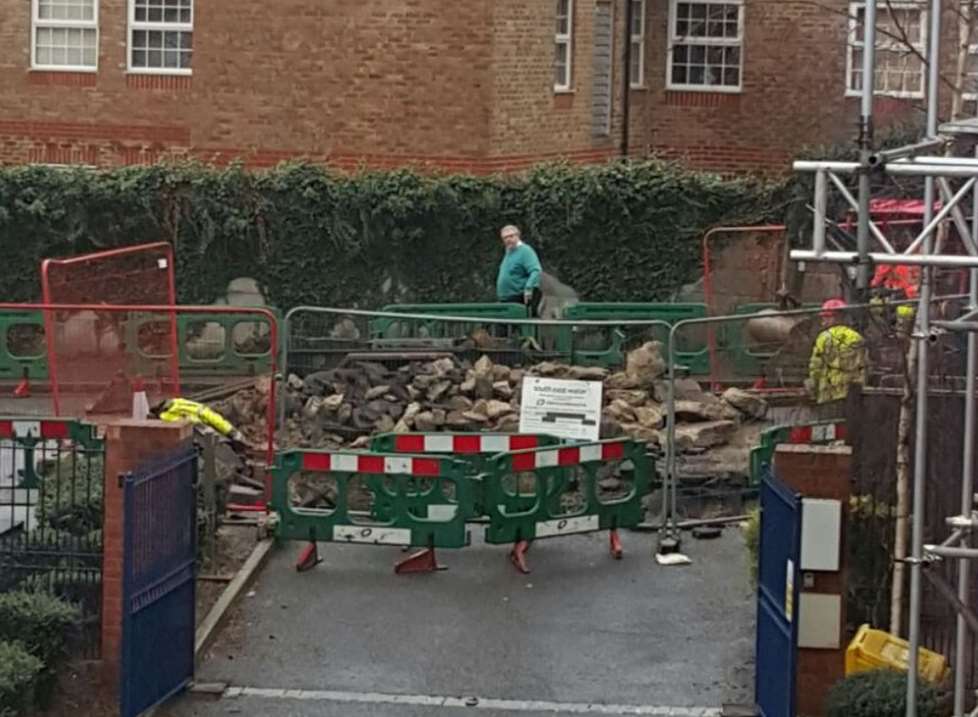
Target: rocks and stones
<point x="645" y="364"/>
<point x="703" y="436"/>
<point x="745" y="402"/>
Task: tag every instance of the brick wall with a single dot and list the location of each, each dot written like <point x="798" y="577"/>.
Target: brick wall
<point x="528" y="118"/>
<point x="386" y="81"/>
<point x="415" y="82"/>
<point x="793" y="94"/>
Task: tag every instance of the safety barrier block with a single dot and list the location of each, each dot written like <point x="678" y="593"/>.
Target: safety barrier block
<point x="427" y="500"/>
<point x="472" y="449"/>
<point x="565" y="494"/>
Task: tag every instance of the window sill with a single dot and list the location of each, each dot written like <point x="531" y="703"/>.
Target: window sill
<point x="165" y="72"/>
<point x="857" y="94"/>
<point x="64" y="70"/>
<point x="638" y="88"/>
<point x="706" y="89"/>
<point x="568" y="91"/>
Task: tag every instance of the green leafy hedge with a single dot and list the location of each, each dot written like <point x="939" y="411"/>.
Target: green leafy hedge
<point x="625" y="231"/>
<point x="41" y="622"/>
<point x="879" y="693"/>
<point x="19" y="672"/>
<point x="71" y="496"/>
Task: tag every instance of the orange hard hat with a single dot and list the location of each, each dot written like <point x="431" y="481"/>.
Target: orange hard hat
<point x="831" y="306"/>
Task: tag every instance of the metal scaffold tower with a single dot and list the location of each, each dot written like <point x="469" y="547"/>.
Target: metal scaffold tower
<point x="953" y="179"/>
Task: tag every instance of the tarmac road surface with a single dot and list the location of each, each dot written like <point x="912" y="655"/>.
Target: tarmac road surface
<point x="582" y="634"/>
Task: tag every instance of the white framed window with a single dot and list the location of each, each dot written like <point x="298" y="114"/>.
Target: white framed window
<point x="64" y="35"/>
<point x="161" y="36"/>
<point x="901" y="40"/>
<point x="636" y="70"/>
<point x="563" y="45"/>
<point x="705" y="45"/>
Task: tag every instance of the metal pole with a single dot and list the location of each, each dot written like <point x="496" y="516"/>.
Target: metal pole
<point x="669" y="538"/>
<point x="967" y="480"/>
<point x="821" y="203"/>
<point x="866" y="149"/>
<point x="951" y="552"/>
<point x="923" y="316"/>
<point x="963" y="261"/>
<point x="910" y="150"/>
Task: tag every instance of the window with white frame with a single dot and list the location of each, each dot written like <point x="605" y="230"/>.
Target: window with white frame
<point x="161" y="36"/>
<point x="562" y="44"/>
<point x="636" y="71"/>
<point x="705" y="43"/>
<point x="65" y="34"/>
<point x="901" y="38"/>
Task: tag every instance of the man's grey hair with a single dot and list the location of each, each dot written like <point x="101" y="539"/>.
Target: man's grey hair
<point x="510" y="228"/>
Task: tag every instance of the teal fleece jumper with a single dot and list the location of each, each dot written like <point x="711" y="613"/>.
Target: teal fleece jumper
<point x="519" y="272"/>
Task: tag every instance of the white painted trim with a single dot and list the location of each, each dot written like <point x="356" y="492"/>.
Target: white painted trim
<point x="672" y="40"/>
<point x="132" y="25"/>
<point x="471" y="702"/>
<point x="565" y="39"/>
<point x="639" y="41"/>
<point x="37" y="23"/>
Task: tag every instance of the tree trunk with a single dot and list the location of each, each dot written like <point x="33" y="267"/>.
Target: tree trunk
<point x="903" y="490"/>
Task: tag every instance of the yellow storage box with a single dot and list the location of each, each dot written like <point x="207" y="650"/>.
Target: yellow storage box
<point x="875" y="649"/>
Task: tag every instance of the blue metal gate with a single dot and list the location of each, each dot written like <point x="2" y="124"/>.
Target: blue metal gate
<point x="777" y="598"/>
<point x="158" y="582"/>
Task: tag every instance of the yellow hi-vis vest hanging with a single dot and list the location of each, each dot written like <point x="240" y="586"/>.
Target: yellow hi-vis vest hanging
<point x="180" y="409"/>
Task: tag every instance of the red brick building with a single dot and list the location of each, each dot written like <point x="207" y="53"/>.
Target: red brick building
<point x="475" y="85"/>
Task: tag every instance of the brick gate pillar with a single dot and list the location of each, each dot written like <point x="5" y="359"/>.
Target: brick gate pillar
<point x="128" y="445"/>
<point x="820" y="473"/>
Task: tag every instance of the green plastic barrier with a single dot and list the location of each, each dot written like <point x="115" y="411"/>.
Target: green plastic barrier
<point x="392" y="328"/>
<point x="218" y="345"/>
<point x="472" y="449"/>
<point x="23" y="350"/>
<point x="412" y="484"/>
<point x="815" y="432"/>
<point x="747" y="362"/>
<point x="518" y="516"/>
<point x="694" y="354"/>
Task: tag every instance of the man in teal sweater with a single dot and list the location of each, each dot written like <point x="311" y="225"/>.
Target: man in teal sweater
<point x="519" y="273"/>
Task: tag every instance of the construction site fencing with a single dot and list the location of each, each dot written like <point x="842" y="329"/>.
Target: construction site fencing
<point x="320" y="338"/>
<point x="427" y="501"/>
<point x="770" y="352"/>
<point x="97" y="355"/>
<point x="211" y="346"/>
<point x="51" y="512"/>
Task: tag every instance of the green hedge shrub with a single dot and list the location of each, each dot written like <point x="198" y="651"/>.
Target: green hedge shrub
<point x="41" y="622"/>
<point x="71" y="496"/>
<point x="879" y="693"/>
<point x="19" y="673"/>
<point x="623" y="231"/>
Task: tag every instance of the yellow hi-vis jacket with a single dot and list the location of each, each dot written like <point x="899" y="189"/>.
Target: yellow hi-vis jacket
<point x="838" y="359"/>
<point x="180" y="409"/>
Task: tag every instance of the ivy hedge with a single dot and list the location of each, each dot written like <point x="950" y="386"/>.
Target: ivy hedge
<point x="625" y="231"/>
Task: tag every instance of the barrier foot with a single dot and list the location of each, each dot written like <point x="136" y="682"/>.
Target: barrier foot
<point x="308" y="558"/>
<point x="423" y="561"/>
<point x="23" y="389"/>
<point x="517" y="556"/>
<point x="615" y="544"/>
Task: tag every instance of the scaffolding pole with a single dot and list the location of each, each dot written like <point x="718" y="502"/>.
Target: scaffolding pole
<point x="923" y="372"/>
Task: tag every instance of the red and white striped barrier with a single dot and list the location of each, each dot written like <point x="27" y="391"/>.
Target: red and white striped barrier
<point x="568" y="455"/>
<point x="818" y="433"/>
<point x="35" y="429"/>
<point x="463" y="444"/>
<point x="364" y="463"/>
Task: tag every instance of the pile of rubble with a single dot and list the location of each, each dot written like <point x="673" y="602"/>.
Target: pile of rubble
<point x="342" y="407"/>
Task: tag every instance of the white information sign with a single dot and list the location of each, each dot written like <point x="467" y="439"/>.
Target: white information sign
<point x="566" y="409"/>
